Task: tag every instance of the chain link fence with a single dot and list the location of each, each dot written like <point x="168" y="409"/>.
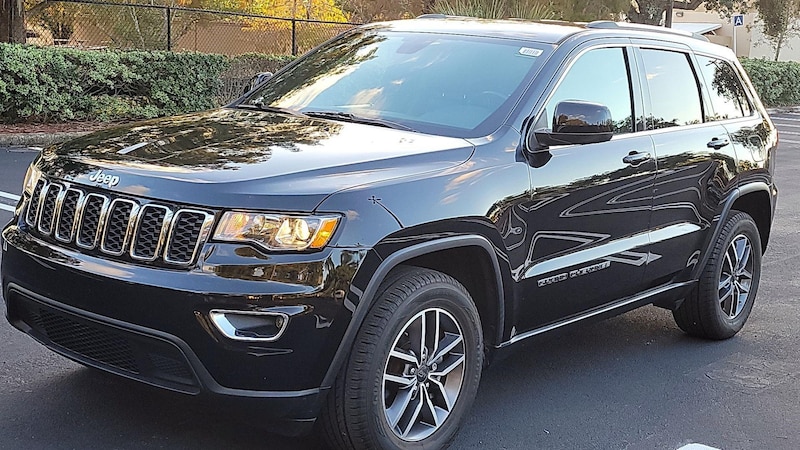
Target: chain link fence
<point x="98" y="25"/>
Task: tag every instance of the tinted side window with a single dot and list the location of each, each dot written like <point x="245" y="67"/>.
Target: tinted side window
<point x="725" y="91"/>
<point x="599" y="76"/>
<point x="674" y="94"/>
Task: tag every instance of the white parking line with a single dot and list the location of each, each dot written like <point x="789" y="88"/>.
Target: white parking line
<point x="9" y="195"/>
<point x="789" y="141"/>
<point x="780" y="125"/>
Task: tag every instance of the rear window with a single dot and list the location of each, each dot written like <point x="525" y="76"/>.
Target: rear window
<point x="674" y="93"/>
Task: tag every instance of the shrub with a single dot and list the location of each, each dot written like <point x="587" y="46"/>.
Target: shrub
<point x="59" y="84"/>
<point x="775" y="81"/>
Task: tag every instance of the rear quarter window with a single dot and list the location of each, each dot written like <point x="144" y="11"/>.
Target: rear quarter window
<point x="724" y="88"/>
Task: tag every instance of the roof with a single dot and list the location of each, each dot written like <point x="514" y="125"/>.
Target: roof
<point x="549" y="32"/>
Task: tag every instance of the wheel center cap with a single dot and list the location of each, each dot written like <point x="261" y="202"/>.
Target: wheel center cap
<point x="422" y="373"/>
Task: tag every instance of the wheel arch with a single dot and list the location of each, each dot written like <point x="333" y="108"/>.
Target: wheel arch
<point x="430" y="254"/>
<point x="755" y="200"/>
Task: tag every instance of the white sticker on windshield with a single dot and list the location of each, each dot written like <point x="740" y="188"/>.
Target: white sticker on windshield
<point x="527" y="51"/>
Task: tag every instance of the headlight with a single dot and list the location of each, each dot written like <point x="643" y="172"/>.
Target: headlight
<point x="31" y="177"/>
<point x="276" y="232"/>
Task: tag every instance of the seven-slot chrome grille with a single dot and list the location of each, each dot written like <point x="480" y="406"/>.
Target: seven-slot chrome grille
<point x="117" y="226"/>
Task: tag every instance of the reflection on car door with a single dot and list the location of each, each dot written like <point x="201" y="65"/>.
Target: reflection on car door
<point x="587" y="220"/>
<point x="696" y="163"/>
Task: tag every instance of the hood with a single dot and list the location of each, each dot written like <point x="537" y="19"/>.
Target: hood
<point x="247" y="159"/>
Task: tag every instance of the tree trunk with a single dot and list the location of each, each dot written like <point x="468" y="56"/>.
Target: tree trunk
<point x="778" y="45"/>
<point x="12" y="21"/>
<point x="651" y="12"/>
<point x="668" y="14"/>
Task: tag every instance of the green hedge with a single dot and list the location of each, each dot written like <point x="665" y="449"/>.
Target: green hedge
<point x="58" y="84"/>
<point x="775" y="81"/>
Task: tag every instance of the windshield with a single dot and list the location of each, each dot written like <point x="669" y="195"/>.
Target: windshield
<point x="461" y="86"/>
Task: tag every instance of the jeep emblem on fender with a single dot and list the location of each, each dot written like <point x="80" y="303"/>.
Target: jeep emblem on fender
<point x="102" y="178"/>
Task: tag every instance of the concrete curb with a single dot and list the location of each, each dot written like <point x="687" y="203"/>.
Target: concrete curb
<point x="38" y="139"/>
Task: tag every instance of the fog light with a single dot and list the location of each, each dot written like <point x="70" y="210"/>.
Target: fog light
<point x="250" y="326"/>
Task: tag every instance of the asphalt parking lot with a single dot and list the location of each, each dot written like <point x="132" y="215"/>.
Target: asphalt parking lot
<point x="631" y="382"/>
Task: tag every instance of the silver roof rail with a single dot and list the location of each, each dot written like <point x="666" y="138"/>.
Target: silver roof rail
<point x="610" y="25"/>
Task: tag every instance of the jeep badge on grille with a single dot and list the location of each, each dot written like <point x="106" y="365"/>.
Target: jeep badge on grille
<point x="103" y="178"/>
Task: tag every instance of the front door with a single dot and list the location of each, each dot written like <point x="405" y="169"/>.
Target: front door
<point x="586" y="224"/>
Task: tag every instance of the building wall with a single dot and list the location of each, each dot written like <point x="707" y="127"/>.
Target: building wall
<point x="724" y="35"/>
<point x="750" y="41"/>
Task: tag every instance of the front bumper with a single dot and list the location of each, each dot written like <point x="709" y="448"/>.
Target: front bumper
<point x="152" y="324"/>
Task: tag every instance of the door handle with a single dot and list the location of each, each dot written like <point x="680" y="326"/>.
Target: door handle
<point x="718" y="143"/>
<point x="635" y="158"/>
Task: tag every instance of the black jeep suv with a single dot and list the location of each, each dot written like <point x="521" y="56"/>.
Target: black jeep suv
<point x="352" y="239"/>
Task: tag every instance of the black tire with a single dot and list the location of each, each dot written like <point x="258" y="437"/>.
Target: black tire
<point x="715" y="309"/>
<point x="366" y="393"/>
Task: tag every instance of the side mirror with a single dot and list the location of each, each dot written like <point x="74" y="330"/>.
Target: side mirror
<point x="257" y="80"/>
<point x="576" y="122"/>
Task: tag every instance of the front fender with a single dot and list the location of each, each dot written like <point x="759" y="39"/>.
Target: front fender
<point x="375" y="270"/>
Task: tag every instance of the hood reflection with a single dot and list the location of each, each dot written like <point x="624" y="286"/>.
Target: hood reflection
<point x="218" y="140"/>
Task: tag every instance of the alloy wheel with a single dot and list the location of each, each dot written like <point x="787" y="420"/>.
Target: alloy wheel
<point x="423" y="374"/>
<point x="737" y="276"/>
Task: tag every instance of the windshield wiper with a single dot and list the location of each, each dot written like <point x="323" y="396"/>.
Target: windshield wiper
<point x="266" y="107"/>
<point x="349" y="117"/>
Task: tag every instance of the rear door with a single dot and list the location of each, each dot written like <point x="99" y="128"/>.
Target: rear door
<point x="728" y="103"/>
<point x="695" y="158"/>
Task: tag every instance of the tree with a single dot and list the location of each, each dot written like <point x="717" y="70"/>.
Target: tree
<point x="59" y="18"/>
<point x="727" y="8"/>
<point x="569" y="10"/>
<point x="131" y="26"/>
<point x="588" y="10"/>
<point x="323" y="10"/>
<point x="779" y="21"/>
<point x="12" y="21"/>
<point x="649" y="12"/>
<point x="495" y="9"/>
<point x="376" y="10"/>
